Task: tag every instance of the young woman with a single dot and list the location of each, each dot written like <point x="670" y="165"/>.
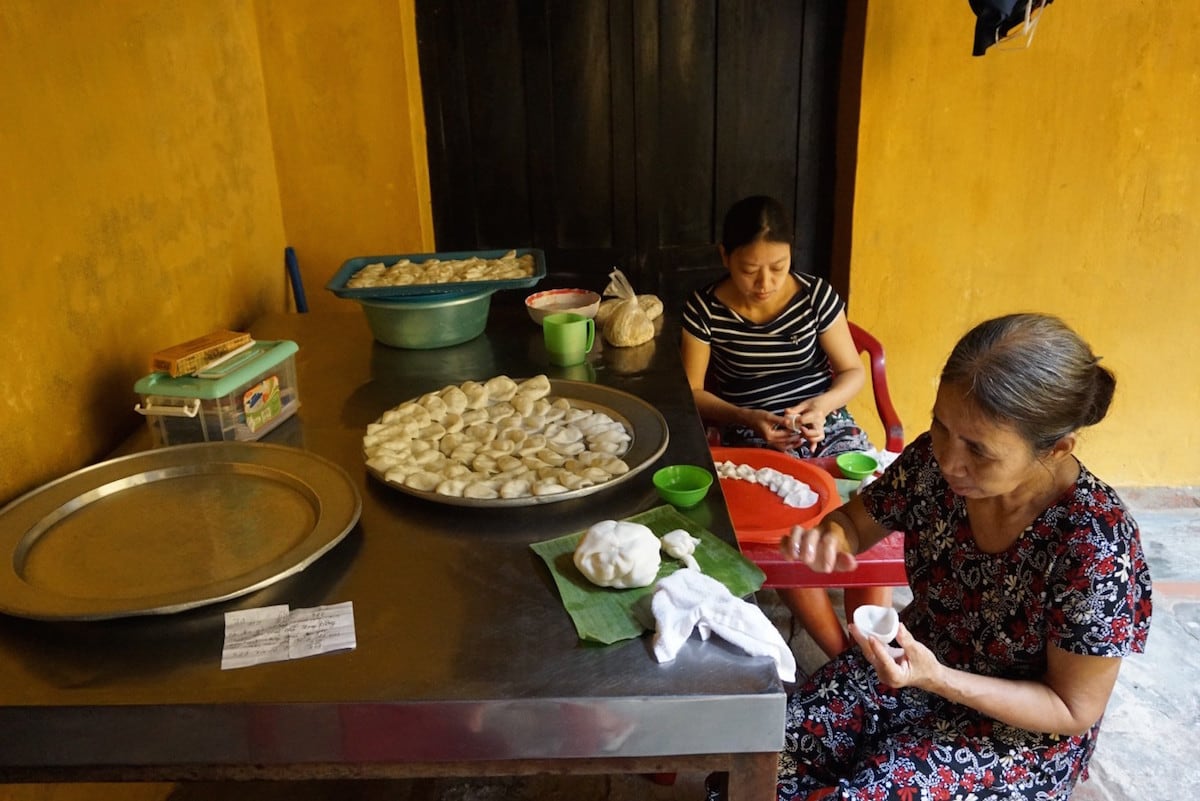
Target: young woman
<point x="1029" y="587"/>
<point x="770" y="360"/>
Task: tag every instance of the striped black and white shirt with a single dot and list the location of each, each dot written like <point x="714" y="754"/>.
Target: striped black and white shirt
<point x="770" y="365"/>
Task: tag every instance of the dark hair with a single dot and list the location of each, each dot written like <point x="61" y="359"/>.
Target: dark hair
<point x="1033" y="372"/>
<point x="756" y="218"/>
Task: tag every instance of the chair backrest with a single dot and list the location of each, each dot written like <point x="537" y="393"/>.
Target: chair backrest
<point x="892" y="427"/>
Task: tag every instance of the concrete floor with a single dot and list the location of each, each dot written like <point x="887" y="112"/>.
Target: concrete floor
<point x="1149" y="745"/>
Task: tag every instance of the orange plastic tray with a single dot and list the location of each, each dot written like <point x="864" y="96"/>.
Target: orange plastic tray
<point x="759" y="515"/>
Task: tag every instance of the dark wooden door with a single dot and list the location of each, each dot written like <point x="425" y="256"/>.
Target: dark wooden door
<point x="615" y="133"/>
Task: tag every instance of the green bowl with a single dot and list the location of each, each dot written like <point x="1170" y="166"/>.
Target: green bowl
<point x="428" y="321"/>
<point x="857" y="465"/>
<point x="682" y="485"/>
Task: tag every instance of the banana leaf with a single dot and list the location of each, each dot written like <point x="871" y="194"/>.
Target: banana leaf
<point x="606" y="615"/>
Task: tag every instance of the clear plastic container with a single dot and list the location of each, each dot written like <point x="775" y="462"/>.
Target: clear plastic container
<point x="242" y="398"/>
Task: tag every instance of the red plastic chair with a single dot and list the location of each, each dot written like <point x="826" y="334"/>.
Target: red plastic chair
<point x="892" y="428"/>
<point x="883" y="564"/>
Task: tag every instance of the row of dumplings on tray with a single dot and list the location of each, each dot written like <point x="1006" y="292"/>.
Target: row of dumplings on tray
<point x="443" y="271"/>
<point x="496" y="439"/>
<point x="791" y="490"/>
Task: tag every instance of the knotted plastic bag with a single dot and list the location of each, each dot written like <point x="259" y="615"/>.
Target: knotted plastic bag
<point x="627" y="324"/>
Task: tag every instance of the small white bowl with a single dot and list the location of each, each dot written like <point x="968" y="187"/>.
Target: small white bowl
<point x="576" y="301"/>
<point x="880" y="622"/>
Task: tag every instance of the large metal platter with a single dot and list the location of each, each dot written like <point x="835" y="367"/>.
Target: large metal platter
<point x="641" y="420"/>
<point x="170" y="529"/>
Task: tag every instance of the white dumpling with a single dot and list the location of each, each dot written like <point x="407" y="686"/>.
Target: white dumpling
<point x="613" y="465"/>
<point x="574" y="481"/>
<point x="515" y="488"/>
<point x="801" y="498"/>
<point x="501" y="447"/>
<point x="533" y="422"/>
<point x="397" y="446"/>
<point x="381" y="463"/>
<point x="594" y="423"/>
<point x="399" y="473"/>
<point x="481" y="491"/>
<point x="410" y="410"/>
<point x="477" y="394"/>
<point x="452" y="423"/>
<point x="483" y="432"/>
<point x="455" y="399"/>
<point x="423" y="481"/>
<point x="465" y="453"/>
<point x="433" y="431"/>
<point x="531" y="445"/>
<point x="482" y="463"/>
<point x="547" y="486"/>
<point x="429" y="457"/>
<point x="498" y="411"/>
<point x="567" y="448"/>
<point x="455" y="470"/>
<point x="536" y="387"/>
<point x="508" y="463"/>
<point x="551" y="457"/>
<point x="522" y="405"/>
<point x="435" y="406"/>
<point x="563" y="435"/>
<point x="472" y="417"/>
<point x="514" y="435"/>
<point x="512" y="422"/>
<point x="597" y="475"/>
<point x="453" y="439"/>
<point x="532" y="463"/>
<point x="451" y="486"/>
<point x="501" y="388"/>
<point x="575" y="414"/>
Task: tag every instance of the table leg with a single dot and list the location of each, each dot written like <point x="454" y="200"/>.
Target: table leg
<point x="752" y="777"/>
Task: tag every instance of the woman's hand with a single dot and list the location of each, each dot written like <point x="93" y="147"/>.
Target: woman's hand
<point x="823" y="549"/>
<point x="807" y="419"/>
<point x="771" y="427"/>
<point x="910" y="665"/>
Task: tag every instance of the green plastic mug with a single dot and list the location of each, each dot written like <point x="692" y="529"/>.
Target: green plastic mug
<point x="568" y="336"/>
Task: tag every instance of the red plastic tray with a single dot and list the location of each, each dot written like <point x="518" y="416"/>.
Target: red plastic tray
<point x="759" y="515"/>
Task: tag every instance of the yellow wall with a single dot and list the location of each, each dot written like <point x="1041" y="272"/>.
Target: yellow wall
<point x="158" y="156"/>
<point x="344" y="100"/>
<point x="1061" y="179"/>
<point x="140" y="208"/>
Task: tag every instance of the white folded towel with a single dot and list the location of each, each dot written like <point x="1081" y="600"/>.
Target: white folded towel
<point x="688" y="599"/>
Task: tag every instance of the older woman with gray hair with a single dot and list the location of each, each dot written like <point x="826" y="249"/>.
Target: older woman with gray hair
<point x="1029" y="587"/>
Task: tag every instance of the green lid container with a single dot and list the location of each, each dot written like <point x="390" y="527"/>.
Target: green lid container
<point x="225" y="378"/>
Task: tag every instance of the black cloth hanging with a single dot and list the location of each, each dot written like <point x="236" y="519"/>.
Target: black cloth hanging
<point x="995" y="18"/>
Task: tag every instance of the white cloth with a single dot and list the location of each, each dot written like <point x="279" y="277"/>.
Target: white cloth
<point x="688" y="599"/>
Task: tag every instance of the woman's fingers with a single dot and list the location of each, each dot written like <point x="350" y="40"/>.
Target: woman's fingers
<point x="821" y="550"/>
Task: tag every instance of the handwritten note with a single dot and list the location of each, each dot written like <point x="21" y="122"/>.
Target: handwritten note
<point x="275" y="633"/>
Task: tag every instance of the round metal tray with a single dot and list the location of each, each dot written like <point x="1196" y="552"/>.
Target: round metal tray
<point x="171" y="529"/>
<point x="647" y="426"/>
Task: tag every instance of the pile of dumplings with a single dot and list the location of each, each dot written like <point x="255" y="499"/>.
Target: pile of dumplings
<point x="439" y="271"/>
<point x="792" y="491"/>
<point x="496" y="440"/>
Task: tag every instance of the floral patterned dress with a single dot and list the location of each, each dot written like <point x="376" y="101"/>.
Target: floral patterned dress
<point x="1076" y="577"/>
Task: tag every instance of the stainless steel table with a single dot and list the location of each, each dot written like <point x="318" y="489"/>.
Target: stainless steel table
<point x="466" y="662"/>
